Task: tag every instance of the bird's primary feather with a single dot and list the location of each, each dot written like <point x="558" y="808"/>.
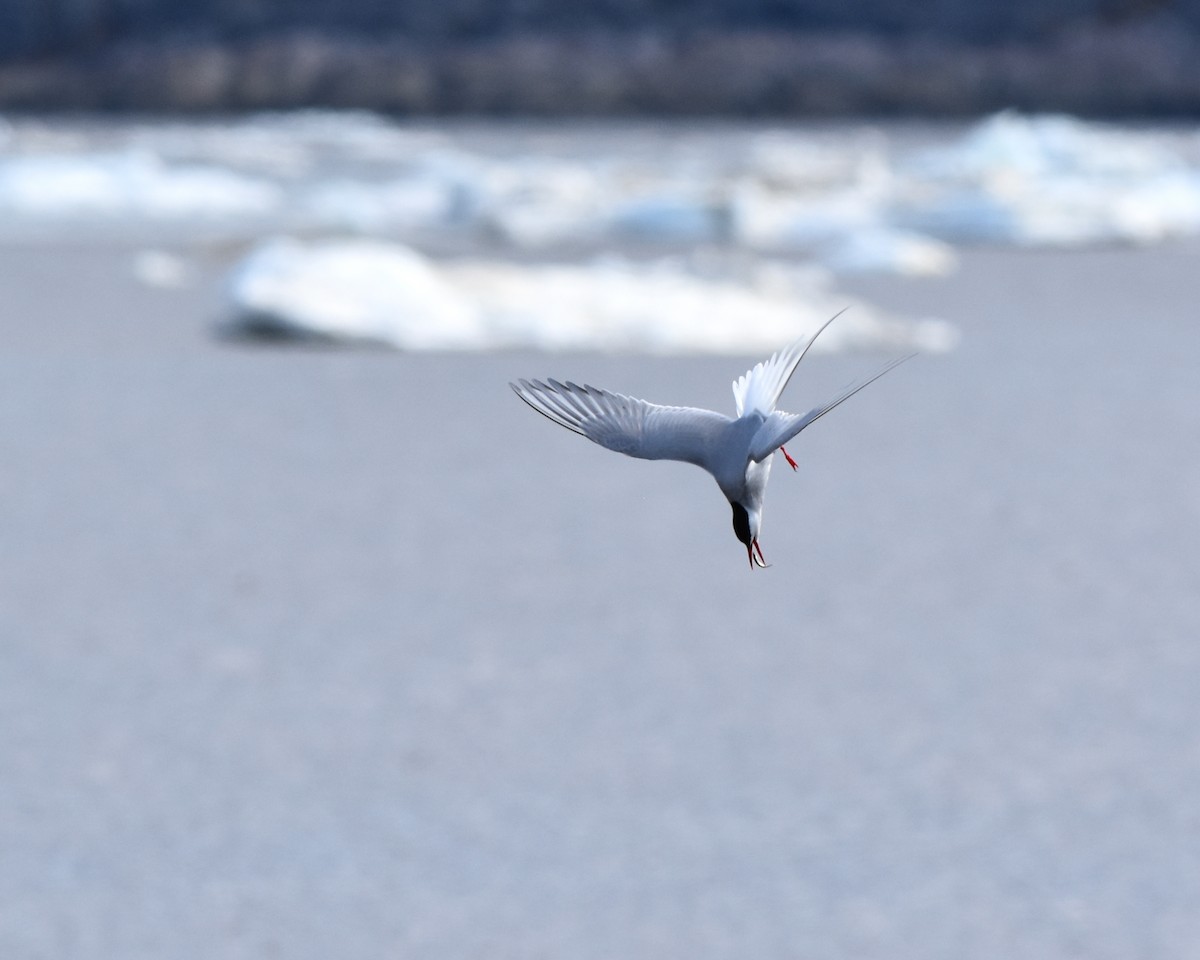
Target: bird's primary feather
<point x="758" y="389"/>
<point x="780" y="427"/>
<point x="626" y="424"/>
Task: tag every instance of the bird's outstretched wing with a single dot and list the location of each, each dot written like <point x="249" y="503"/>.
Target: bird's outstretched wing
<point x="759" y="388"/>
<point x="626" y="424"/>
<point x="780" y="427"/>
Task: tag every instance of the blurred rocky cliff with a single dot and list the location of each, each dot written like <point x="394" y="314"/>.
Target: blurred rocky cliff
<point x="753" y="57"/>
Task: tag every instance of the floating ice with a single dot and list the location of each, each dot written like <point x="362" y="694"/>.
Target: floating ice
<point x="1010" y="179"/>
<point x="888" y="250"/>
<point x="159" y="268"/>
<point x="374" y="292"/>
<point x="670" y="215"/>
<point x="354" y="291"/>
<point x="782" y="221"/>
<point x="407" y="203"/>
<point x="540" y="202"/>
<point x="1050" y="181"/>
<point x="793" y="161"/>
<point x="1010" y="144"/>
<point x="131" y="182"/>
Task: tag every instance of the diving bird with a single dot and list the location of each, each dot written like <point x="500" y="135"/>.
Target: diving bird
<point x="737" y="451"/>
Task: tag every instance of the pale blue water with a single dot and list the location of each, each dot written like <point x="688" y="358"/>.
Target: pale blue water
<point x="315" y="654"/>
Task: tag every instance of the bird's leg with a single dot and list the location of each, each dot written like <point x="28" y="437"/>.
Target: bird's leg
<point x="787" y="457"/>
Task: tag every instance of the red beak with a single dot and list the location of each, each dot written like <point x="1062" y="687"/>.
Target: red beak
<point x="758" y="561"/>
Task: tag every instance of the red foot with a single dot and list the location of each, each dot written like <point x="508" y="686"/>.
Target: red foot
<point x="791" y="462"/>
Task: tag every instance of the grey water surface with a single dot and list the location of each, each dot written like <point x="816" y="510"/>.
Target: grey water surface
<point x="322" y="653"/>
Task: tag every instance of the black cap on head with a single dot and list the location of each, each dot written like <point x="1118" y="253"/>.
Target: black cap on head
<point x="741" y="524"/>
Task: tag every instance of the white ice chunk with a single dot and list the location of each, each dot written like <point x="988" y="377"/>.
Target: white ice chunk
<point x="403" y="203"/>
<point x="1050" y="181"/>
<point x="1010" y="179"/>
<point x="354" y="291"/>
<point x="669" y="215"/>
<point x="793" y="161"/>
<point x="1013" y="144"/>
<point x="160" y="268"/>
<point x="775" y="220"/>
<point x="366" y="291"/>
<point x="130" y="182"/>
<point x="888" y="250"/>
<point x="536" y="202"/>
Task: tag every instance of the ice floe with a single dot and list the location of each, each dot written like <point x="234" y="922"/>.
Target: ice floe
<point x="1009" y="179"/>
<point x="1050" y="180"/>
<point x="889" y="250"/>
<point x="546" y="214"/>
<point x="129" y="183"/>
<point x="160" y="268"/>
<point x="670" y="215"/>
<point x="370" y="291"/>
<point x="401" y="204"/>
<point x="356" y="291"/>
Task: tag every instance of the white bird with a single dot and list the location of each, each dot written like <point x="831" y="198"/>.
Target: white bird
<point x="737" y="452"/>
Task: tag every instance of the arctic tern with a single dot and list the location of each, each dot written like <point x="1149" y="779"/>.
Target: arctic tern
<point x="737" y="452"/>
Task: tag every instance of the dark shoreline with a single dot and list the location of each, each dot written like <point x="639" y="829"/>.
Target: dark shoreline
<point x="1112" y="71"/>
